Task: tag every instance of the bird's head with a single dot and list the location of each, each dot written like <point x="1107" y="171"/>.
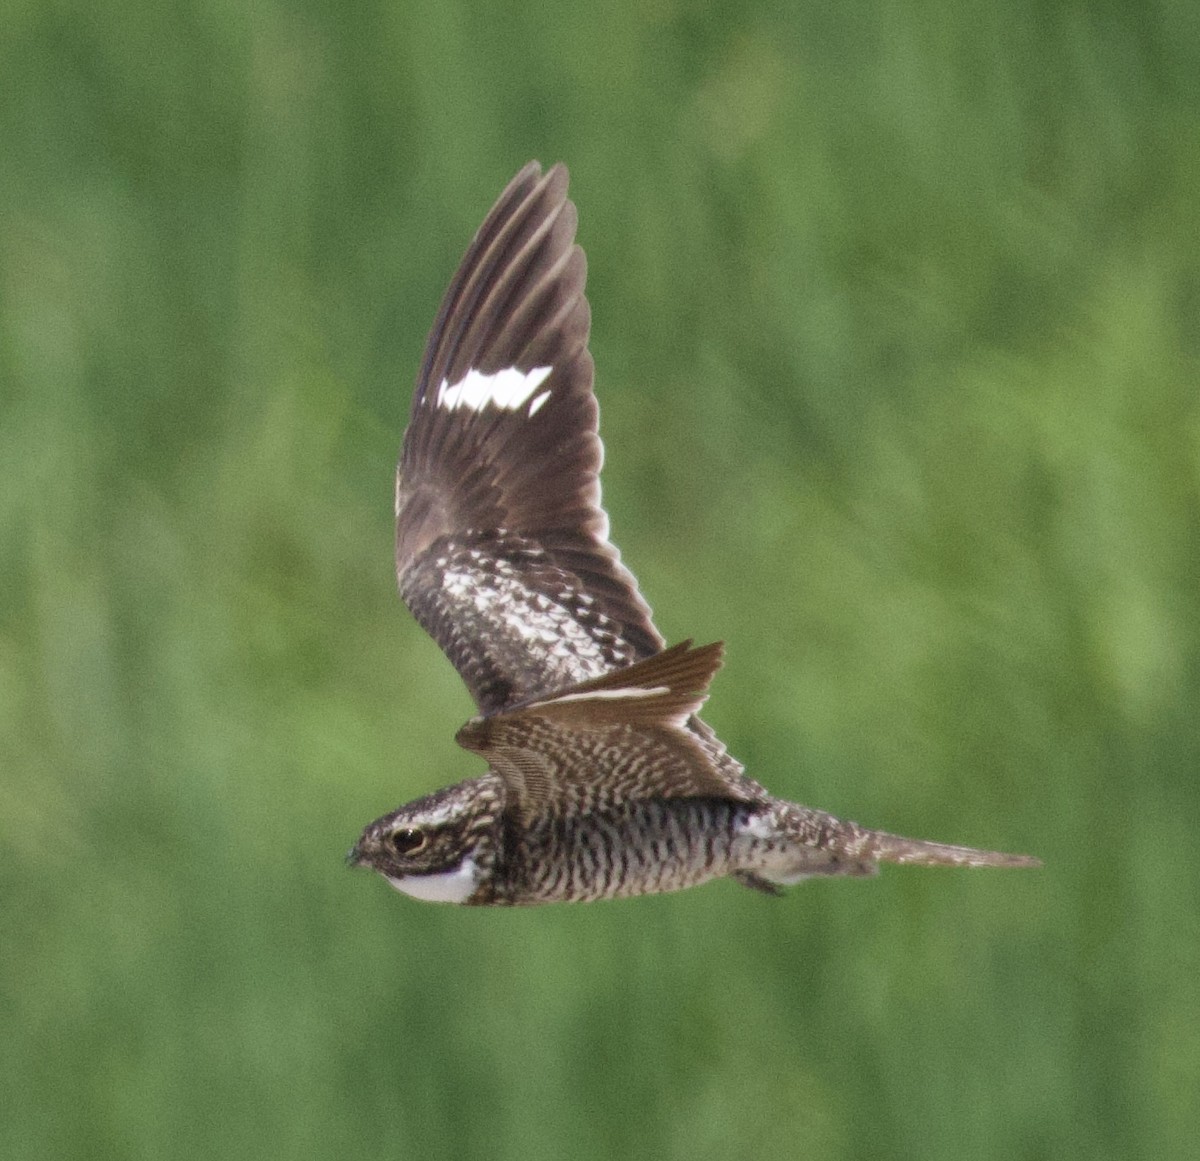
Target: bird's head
<point x="439" y="848"/>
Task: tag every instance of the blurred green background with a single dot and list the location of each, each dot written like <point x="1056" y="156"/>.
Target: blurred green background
<point x="896" y="326"/>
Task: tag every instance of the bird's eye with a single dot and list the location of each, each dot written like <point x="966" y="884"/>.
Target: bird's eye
<point x="408" y="841"/>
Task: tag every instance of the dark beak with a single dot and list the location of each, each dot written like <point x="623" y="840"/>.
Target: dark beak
<point x="355" y="856"/>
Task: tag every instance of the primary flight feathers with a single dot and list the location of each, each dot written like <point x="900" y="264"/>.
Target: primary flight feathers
<point x="502" y="547"/>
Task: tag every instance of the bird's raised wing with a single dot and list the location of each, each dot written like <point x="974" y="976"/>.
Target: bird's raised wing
<point x="502" y="548"/>
<point x="621" y="737"/>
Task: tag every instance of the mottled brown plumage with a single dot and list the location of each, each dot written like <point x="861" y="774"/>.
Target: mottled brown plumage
<point x="601" y="780"/>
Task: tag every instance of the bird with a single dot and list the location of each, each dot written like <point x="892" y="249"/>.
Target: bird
<point x="602" y="781"/>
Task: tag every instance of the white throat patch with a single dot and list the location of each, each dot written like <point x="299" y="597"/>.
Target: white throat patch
<point x="455" y="886"/>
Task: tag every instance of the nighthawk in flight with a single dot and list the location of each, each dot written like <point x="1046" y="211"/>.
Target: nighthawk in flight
<point x="601" y="779"/>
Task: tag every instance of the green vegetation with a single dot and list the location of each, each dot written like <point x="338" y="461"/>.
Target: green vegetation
<point x="896" y="324"/>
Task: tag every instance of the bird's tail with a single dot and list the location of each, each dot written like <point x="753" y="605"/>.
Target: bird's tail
<point x="893" y="848"/>
<point x="834" y="846"/>
<point x="821" y="844"/>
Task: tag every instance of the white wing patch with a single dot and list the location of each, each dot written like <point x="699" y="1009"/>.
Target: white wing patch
<point x="507" y="389"/>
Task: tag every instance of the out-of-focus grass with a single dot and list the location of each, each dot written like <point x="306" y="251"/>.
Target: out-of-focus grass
<point x="896" y="327"/>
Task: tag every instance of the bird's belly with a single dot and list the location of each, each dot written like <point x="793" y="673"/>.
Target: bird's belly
<point x="639" y="847"/>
